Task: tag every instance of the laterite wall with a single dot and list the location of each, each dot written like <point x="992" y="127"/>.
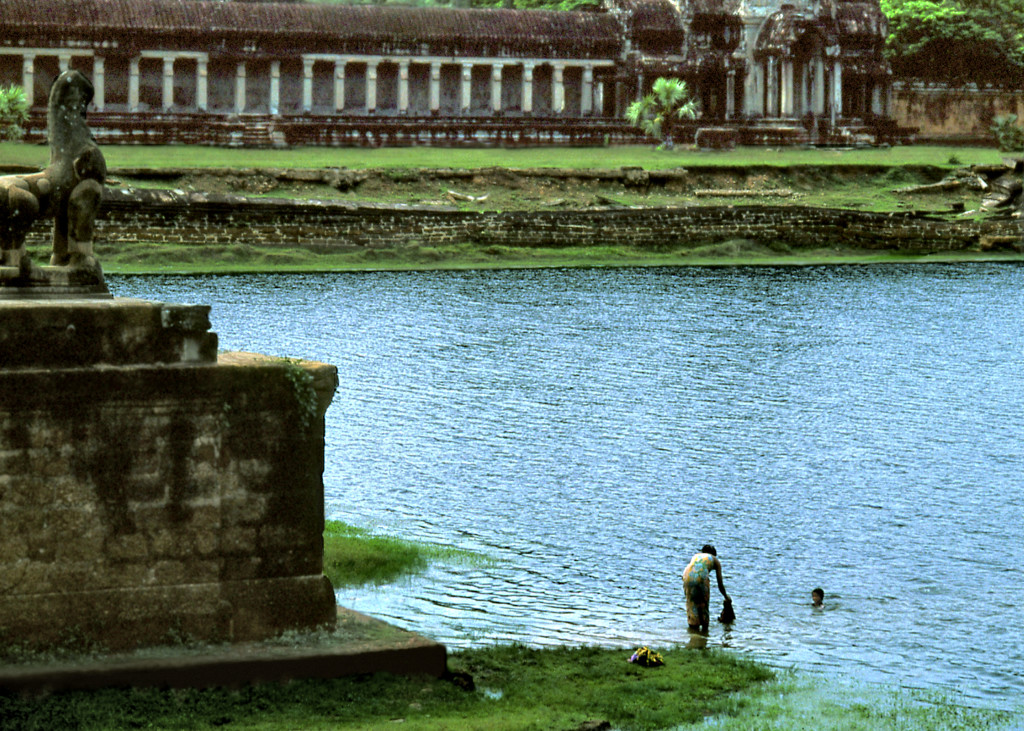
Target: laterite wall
<point x="952" y="116"/>
<point x="145" y="502"/>
<point x="200" y="220"/>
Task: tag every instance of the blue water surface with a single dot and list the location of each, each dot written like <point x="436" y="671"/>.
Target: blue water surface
<point x="857" y="428"/>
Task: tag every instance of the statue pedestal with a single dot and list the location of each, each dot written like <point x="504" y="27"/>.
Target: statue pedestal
<point x="151" y="489"/>
<point x="48" y="282"/>
<point x="74" y="333"/>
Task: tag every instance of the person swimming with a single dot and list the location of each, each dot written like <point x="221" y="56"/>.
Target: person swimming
<point x="818" y="597"/>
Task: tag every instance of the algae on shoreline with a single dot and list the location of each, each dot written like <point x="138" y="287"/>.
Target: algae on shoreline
<point x="190" y="260"/>
<point x="355" y="556"/>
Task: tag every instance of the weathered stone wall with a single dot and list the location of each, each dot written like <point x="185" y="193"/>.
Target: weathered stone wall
<point x="954" y="115"/>
<point x="201" y="220"/>
<point x="144" y="502"/>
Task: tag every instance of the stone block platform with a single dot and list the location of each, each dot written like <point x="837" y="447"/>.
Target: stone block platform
<point x="77" y="333"/>
<point x="151" y="488"/>
<point x="358" y="645"/>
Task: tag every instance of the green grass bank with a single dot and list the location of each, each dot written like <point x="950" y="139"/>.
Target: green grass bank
<point x="514" y="687"/>
<point x="517" y="688"/>
<point x="871" y="179"/>
<point x="355" y="556"/>
<point x="17" y="153"/>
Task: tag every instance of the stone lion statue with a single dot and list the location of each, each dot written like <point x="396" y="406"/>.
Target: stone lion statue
<point x="68" y="190"/>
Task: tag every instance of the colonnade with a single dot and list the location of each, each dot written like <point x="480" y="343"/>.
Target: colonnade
<point x="774" y="87"/>
<point x="793" y="87"/>
<point x="589" y="95"/>
<point x="193" y="81"/>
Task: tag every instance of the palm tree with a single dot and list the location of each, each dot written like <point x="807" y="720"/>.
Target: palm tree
<point x="657" y="112"/>
<point x="13" y="112"/>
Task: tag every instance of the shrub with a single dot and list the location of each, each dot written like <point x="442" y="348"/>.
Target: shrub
<point x="1009" y="136"/>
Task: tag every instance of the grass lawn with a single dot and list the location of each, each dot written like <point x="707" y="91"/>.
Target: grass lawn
<point x="519" y="688"/>
<point x="516" y="688"/>
<point x="16" y="153"/>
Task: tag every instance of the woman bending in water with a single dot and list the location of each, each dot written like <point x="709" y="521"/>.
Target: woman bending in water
<point x="697" y="587"/>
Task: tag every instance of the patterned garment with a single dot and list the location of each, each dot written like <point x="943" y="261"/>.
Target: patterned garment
<point x="697" y="588"/>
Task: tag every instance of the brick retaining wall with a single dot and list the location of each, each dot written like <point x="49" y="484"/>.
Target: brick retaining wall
<point x="172" y="217"/>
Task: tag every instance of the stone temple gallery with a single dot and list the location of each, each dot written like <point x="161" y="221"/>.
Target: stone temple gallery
<point x="268" y="72"/>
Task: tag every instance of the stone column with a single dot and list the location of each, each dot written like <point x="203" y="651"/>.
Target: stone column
<point x="786" y="102"/>
<point x="339" y="85"/>
<point x="98" y="83"/>
<point x="802" y="79"/>
<point x="202" y="84"/>
<point x="435" y="87"/>
<point x="28" y="73"/>
<point x="371" y="87"/>
<point x="307" y="85"/>
<point x="819" y="85"/>
<point x="496" y="71"/>
<point x="639" y="87"/>
<point x="64" y="62"/>
<point x="467" y="87"/>
<point x="275" y="87"/>
<point x="730" y="94"/>
<point x="240" y="87"/>
<point x="133" y="84"/>
<point x="877" y="103"/>
<point x="753" y="85"/>
<point x="837" y="90"/>
<point x="784" y="87"/>
<point x="528" y="88"/>
<point x="587" y="93"/>
<point x="167" y="92"/>
<point x="403" y="87"/>
<point x="772" y="87"/>
<point x="558" y="88"/>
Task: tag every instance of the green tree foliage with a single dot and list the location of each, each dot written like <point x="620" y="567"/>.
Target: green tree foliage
<point x="657" y="112"/>
<point x="957" y="42"/>
<point x="13" y="112"/>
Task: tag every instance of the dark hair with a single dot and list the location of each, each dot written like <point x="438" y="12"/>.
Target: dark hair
<point x="708" y="548"/>
<point x="818" y="591"/>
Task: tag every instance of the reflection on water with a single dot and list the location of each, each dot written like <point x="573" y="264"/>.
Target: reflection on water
<point x="855" y="428"/>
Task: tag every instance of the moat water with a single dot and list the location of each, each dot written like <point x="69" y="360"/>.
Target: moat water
<point x="855" y="428"/>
